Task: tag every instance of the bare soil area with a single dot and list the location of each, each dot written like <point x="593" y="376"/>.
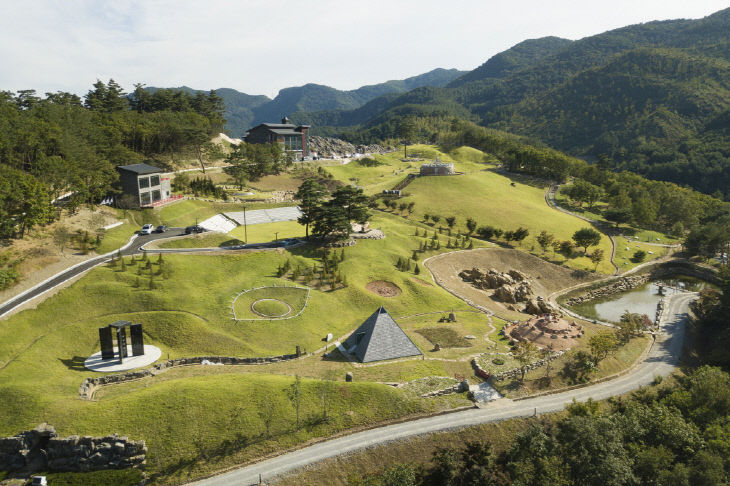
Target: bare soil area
<point x="42" y="258"/>
<point x="545" y="277"/>
<point x="384" y="288"/>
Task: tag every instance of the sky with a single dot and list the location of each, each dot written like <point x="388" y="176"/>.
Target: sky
<point x="262" y="46"/>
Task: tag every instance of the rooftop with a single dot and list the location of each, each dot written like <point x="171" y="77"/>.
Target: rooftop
<point x="140" y="169"/>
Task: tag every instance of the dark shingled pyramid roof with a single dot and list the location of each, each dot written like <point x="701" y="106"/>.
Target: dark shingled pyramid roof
<point x="380" y="338"/>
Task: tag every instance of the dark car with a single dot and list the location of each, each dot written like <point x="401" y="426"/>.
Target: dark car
<point x="194" y="229"/>
<point x="161" y="228"/>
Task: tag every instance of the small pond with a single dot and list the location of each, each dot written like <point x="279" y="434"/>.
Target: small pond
<point x="641" y="300"/>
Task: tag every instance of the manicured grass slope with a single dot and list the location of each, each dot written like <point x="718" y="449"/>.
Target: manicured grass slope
<point x="42" y="350"/>
<point x="489" y="198"/>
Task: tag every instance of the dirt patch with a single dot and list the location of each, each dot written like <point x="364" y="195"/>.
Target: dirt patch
<point x="384" y="288"/>
<point x="545" y="277"/>
<point x="422" y="282"/>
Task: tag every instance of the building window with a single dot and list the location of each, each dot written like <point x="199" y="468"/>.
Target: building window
<point x="155" y="180"/>
<point x="293" y="143"/>
<point x="144" y="182"/>
<point x="156" y="195"/>
<point x="144" y="198"/>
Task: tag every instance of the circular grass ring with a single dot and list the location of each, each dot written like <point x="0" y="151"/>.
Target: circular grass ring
<point x="273" y="308"/>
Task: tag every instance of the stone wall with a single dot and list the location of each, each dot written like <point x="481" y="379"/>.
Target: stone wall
<point x="514" y="372"/>
<point x="41" y="449"/>
<point x="89" y="385"/>
<point x="462" y="386"/>
<point x="622" y="284"/>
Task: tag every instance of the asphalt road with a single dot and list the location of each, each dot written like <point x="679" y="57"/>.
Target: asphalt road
<point x="661" y="360"/>
<point x="129" y="249"/>
<point x="133" y="247"/>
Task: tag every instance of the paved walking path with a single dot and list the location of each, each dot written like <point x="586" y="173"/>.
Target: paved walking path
<point x="661" y="360"/>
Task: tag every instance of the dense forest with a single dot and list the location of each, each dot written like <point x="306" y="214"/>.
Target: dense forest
<point x="60" y="144"/>
<point x="653" y="98"/>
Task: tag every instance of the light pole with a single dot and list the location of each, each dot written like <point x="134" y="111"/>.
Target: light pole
<point x="276" y="236"/>
<point x="245" y="228"/>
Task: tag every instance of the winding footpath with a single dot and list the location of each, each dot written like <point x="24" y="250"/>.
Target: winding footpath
<point x="661" y="360"/>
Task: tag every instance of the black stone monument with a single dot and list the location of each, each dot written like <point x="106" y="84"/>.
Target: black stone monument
<point x="107" y="344"/>
<point x="137" y="339"/>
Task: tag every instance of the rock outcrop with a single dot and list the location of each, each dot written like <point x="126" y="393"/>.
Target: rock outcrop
<point x="335" y="148"/>
<point x="41" y="449"/>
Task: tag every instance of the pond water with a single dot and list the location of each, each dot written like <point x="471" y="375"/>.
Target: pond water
<point x="641" y="300"/>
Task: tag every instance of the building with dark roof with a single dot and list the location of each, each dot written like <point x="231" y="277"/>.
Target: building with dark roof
<point x="379" y="338"/>
<point x="294" y="138"/>
<point x="143" y="185"/>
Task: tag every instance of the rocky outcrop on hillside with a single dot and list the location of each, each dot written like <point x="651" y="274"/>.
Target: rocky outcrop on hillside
<point x="41" y="449"/>
<point x="509" y="287"/>
<point x="326" y="147"/>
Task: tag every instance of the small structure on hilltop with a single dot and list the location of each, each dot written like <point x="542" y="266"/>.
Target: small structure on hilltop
<point x="437" y="168"/>
<point x="122" y="357"/>
<point x="293" y="138"/>
<point x="379" y="338"/>
<point x="120" y="328"/>
<point x="143" y="185"/>
<point x="546" y="330"/>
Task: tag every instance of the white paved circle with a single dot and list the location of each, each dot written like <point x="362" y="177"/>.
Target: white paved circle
<point x="95" y="363"/>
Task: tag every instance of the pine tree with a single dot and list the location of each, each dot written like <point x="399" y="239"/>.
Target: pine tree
<point x="471" y="245"/>
<point x="414" y="257"/>
<point x="152" y="282"/>
<point x="417" y="270"/>
<point x="159" y="258"/>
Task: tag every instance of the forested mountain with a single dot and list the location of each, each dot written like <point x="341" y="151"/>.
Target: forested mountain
<point x="515" y="58"/>
<point x="652" y="97"/>
<point x="245" y="111"/>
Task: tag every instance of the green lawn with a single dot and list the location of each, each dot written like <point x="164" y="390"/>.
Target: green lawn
<point x="489" y="198"/>
<point x="200" y="419"/>
<point x="624" y="257"/>
<point x="187" y="421"/>
<point x="265" y="232"/>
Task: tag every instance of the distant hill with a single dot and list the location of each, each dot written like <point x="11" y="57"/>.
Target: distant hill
<point x="515" y="58"/>
<point x="244" y="111"/>
<point x="654" y="97"/>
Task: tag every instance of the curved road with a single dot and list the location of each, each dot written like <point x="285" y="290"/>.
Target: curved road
<point x="135" y="245"/>
<point x="663" y="357"/>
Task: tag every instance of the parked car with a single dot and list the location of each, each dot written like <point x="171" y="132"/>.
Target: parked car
<point x="194" y="229"/>
<point x="147" y="229"/>
<point x="161" y="228"/>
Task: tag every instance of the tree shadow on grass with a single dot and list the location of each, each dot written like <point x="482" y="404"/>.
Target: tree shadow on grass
<point x="75" y="364"/>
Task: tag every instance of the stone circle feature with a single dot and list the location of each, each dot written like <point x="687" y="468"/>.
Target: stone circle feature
<point x="269" y="303"/>
<point x="545" y="331"/>
<point x="267" y="308"/>
<point x="383" y="288"/>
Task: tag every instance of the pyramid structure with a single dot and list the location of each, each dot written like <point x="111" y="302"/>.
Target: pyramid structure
<point x="379" y="338"/>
